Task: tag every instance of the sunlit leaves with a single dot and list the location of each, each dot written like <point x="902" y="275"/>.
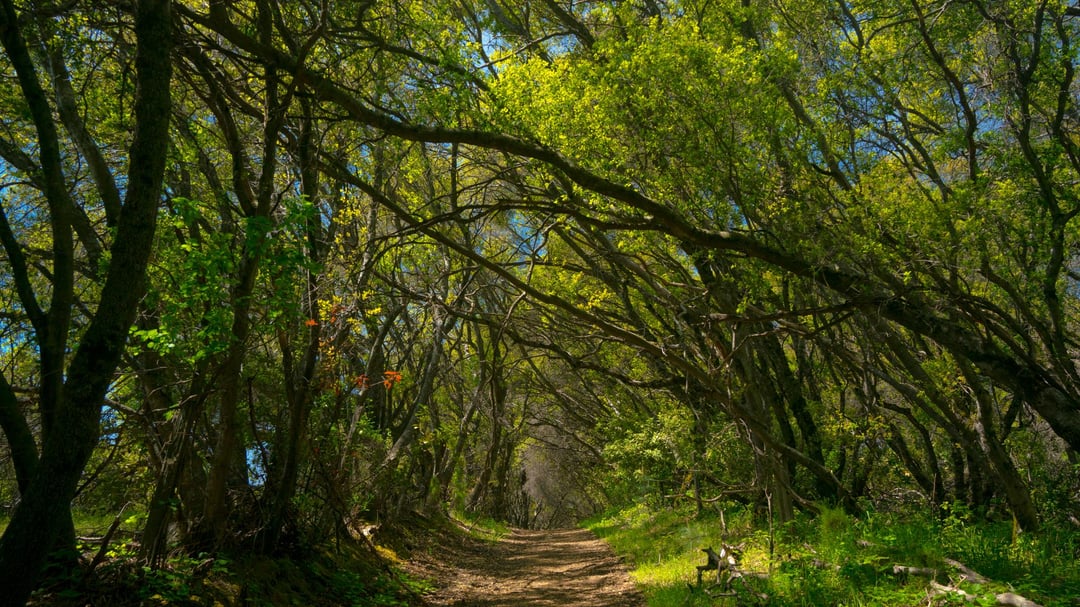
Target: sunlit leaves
<point x="190" y="284"/>
<point x="664" y="109"/>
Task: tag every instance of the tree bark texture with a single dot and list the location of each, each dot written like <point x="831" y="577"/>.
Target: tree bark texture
<point x="44" y="511"/>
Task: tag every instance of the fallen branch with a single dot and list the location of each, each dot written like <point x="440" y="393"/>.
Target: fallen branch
<point x="940" y="589"/>
<point x="90" y="540"/>
<point x="968" y="573"/>
<point x="1004" y="599"/>
<point x="1007" y="599"/>
<point x="820" y="564"/>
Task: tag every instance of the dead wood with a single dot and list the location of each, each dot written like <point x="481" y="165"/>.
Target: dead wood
<point x="820" y="564"/>
<point x="90" y="540"/>
<point x="1005" y="599"/>
<point x="942" y="589"/>
<point x="725" y="564"/>
<point x="722" y="562"/>
<point x="927" y="572"/>
<point x="1009" y="599"/>
<point x="968" y="573"/>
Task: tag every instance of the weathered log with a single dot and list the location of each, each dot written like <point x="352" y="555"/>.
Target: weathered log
<point x="90" y="540"/>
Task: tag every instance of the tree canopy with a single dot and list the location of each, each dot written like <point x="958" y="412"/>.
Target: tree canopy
<point x="283" y="266"/>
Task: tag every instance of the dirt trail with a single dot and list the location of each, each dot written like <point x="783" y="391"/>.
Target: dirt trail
<point x="564" y="568"/>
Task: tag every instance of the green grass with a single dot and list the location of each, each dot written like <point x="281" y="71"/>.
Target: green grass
<point x="89" y="524"/>
<point x="834" y="559"/>
<point x="484" y="528"/>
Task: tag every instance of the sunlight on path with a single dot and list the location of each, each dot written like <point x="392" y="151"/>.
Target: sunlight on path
<point x="564" y="567"/>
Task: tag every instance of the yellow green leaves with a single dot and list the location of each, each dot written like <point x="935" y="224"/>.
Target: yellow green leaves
<point x="672" y="108"/>
<point x="553" y="103"/>
<point x="155" y="339"/>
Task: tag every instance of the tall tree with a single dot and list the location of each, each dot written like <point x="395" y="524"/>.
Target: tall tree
<point x="75" y="378"/>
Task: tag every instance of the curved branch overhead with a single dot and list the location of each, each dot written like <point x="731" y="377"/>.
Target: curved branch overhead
<point x="916" y="312"/>
<point x="334" y="261"/>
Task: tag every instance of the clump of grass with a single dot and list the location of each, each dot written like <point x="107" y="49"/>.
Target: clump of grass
<point x="481" y="527"/>
<point x="665" y="547"/>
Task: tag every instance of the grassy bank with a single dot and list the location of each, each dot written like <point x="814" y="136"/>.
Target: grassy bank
<point x="348" y="572"/>
<point x="835" y="559"/>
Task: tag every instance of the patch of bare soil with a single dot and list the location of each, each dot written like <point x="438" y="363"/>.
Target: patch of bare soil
<point x="563" y="567"/>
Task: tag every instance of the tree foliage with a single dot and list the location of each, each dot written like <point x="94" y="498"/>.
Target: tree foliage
<point x="531" y="258"/>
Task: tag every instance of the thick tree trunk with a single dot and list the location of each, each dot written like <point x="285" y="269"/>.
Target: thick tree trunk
<point x="1008" y="478"/>
<point x="229" y="464"/>
<point x="791" y="391"/>
<point x="961" y="482"/>
<point x="491" y="371"/>
<point x="20" y="438"/>
<point x="899" y="446"/>
<point x="213" y="528"/>
<point x="282" y="478"/>
<point x="932" y="481"/>
<point x="298" y="379"/>
<point x="41" y="514"/>
<point x="44" y="511"/>
<point x="164" y="503"/>
<point x="446" y="473"/>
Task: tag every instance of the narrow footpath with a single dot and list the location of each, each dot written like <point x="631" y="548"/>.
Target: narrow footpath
<point x="555" y="568"/>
